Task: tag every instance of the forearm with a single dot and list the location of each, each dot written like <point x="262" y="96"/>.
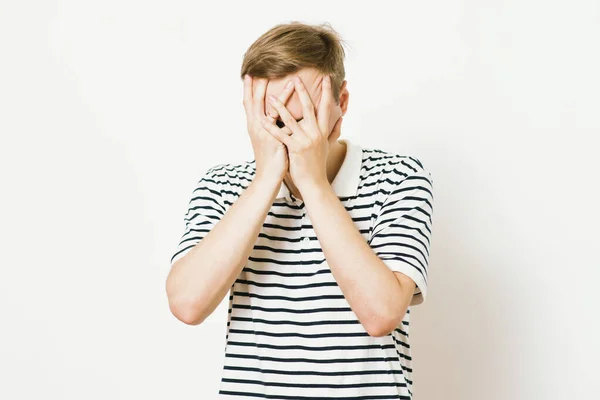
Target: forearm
<point x="198" y="282"/>
<point x="369" y="286"/>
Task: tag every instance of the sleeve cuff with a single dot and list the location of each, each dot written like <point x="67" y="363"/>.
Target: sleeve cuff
<point x="420" y="292"/>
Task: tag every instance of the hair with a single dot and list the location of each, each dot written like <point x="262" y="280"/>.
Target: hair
<point x="289" y="47"/>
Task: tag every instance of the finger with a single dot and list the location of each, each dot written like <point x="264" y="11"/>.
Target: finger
<point x="325" y="105"/>
<point x="285" y="94"/>
<point x="286" y="117"/>
<point x="259" y="95"/>
<point x="277" y="133"/>
<point x="286" y="130"/>
<point x="273" y="121"/>
<point x="308" y="108"/>
<point x="247" y="94"/>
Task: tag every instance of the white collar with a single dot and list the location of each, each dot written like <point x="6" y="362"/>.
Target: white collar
<point x="346" y="181"/>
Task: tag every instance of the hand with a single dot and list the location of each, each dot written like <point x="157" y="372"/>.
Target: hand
<point x="308" y="145"/>
<point x="271" y="157"/>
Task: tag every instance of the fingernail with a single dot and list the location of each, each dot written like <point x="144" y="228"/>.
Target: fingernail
<point x="289" y="84"/>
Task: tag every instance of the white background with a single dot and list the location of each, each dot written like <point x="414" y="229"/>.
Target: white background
<point x="110" y="112"/>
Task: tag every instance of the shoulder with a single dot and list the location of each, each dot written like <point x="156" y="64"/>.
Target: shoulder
<point x="394" y="167"/>
<point x="228" y="173"/>
<point x="228" y="180"/>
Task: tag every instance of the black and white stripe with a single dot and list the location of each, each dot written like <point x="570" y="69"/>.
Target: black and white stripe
<point x="290" y="332"/>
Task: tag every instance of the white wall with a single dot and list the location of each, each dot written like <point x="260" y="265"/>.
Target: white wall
<point x="110" y="111"/>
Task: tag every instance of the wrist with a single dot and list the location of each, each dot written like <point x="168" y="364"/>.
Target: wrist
<point x="267" y="183"/>
<point x="311" y="188"/>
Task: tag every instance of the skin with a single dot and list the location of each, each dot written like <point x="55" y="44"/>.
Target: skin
<point x="199" y="281"/>
<point x="312" y="80"/>
<point x="378" y="296"/>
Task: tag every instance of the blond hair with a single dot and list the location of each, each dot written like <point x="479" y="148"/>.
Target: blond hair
<point x="289" y="47"/>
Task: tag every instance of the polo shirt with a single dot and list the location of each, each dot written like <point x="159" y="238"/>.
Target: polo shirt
<point x="291" y="334"/>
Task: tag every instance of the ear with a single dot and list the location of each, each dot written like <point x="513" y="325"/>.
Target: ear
<point x="344" y="97"/>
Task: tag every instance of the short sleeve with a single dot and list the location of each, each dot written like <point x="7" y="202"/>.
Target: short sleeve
<point x="402" y="229"/>
<point x="205" y="208"/>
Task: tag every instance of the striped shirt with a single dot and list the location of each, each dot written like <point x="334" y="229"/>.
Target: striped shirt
<point x="291" y="334"/>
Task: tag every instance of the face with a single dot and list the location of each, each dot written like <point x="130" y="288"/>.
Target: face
<point x="312" y="80"/>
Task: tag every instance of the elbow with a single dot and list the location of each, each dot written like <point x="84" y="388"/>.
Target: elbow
<point x="186" y="312"/>
<point x="183" y="308"/>
<point x="380" y="329"/>
<point x="383" y="325"/>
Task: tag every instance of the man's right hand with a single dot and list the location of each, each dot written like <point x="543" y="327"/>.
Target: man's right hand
<point x="271" y="156"/>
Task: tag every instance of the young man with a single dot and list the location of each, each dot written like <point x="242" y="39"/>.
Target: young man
<point x="322" y="245"/>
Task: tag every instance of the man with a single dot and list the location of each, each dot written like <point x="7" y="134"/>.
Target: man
<point x="322" y="245"/>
